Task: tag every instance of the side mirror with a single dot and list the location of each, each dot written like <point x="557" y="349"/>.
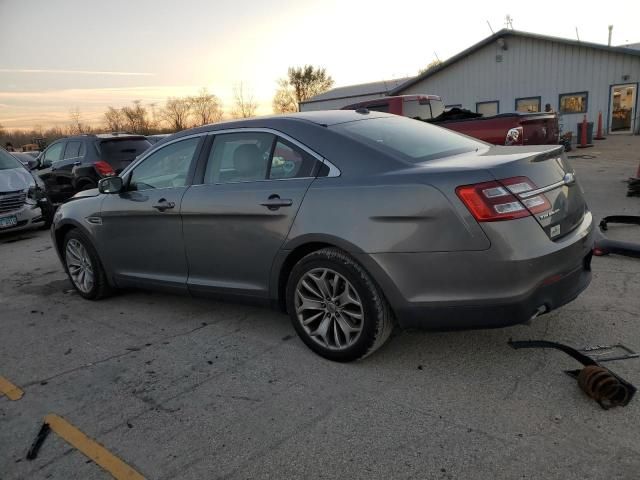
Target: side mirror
<point x="110" y="185"/>
<point x="32" y="164"/>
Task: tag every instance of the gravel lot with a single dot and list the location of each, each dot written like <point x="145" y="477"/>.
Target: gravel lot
<point x="189" y="388"/>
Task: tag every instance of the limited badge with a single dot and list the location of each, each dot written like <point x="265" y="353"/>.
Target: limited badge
<point x="555" y="231"/>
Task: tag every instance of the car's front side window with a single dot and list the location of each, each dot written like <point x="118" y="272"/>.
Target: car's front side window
<point x="53" y="153"/>
<point x="166" y="168"/>
<point x="239" y="157"/>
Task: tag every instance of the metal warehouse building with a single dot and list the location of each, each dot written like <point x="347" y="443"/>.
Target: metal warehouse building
<point x="518" y="71"/>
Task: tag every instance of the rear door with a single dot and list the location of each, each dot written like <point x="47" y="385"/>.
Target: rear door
<point x="141" y="232"/>
<point x="62" y="169"/>
<point x="545" y="183"/>
<point x="238" y="217"/>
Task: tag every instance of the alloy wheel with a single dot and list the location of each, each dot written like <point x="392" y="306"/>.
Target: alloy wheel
<point x="79" y="265"/>
<point x="329" y="308"/>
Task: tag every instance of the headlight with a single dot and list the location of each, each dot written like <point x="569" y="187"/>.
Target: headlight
<point x="34" y="195"/>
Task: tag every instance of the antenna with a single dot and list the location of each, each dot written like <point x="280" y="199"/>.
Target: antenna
<point x="508" y="21"/>
<point x="437" y="58"/>
<point x="610" y="30"/>
<point x="492" y="32"/>
<point x="577" y="36"/>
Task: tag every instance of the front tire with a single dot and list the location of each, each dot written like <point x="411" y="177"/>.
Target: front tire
<point x="83" y="266"/>
<point x="335" y="306"/>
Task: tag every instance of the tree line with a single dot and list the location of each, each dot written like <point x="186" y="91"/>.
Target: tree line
<point x="179" y="113"/>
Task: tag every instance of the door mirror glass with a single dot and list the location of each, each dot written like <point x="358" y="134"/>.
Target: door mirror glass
<point x="110" y="185"/>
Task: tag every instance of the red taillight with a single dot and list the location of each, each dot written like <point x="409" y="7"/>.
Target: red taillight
<point x="495" y="201"/>
<point x="104" y="168"/>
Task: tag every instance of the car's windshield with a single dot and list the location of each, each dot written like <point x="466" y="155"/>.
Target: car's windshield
<point x="8" y="161"/>
<point x="414" y="140"/>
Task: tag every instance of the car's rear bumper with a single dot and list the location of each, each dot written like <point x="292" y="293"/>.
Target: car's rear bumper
<point x="497" y="313"/>
<point x="521" y="275"/>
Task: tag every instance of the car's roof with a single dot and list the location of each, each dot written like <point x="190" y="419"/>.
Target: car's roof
<point x="332" y="117"/>
<point x="106" y="136"/>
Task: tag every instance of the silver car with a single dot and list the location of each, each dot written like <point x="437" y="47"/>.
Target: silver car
<point x="349" y="221"/>
<point x="23" y="200"/>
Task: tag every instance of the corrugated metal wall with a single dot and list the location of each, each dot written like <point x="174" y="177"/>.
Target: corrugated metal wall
<point x="337" y="104"/>
<point x="530" y="68"/>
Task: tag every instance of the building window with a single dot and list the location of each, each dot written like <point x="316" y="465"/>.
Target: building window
<point x="528" y="104"/>
<point x="488" y="108"/>
<point x="573" y="102"/>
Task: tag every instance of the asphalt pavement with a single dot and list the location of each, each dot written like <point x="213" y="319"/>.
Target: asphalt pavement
<point x="186" y="388"/>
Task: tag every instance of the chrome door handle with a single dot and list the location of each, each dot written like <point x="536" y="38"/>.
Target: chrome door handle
<point x="77" y="164"/>
<point x="163" y="205"/>
<point x="274" y="202"/>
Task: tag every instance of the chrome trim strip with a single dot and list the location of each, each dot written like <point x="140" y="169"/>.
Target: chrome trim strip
<point x="538" y="191"/>
<point x="333" y="170"/>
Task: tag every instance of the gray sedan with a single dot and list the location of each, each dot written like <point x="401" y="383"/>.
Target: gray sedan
<point x="349" y="221"/>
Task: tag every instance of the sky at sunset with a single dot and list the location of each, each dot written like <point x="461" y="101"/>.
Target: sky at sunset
<point x="56" y="55"/>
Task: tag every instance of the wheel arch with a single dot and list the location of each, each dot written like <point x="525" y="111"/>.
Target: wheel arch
<point x="295" y="250"/>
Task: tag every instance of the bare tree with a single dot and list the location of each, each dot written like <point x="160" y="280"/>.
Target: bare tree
<point x="77" y="127"/>
<point x="284" y="100"/>
<point x="176" y="113"/>
<point x="136" y="120"/>
<point x="205" y="108"/>
<point x="115" y="119"/>
<point x="245" y="105"/>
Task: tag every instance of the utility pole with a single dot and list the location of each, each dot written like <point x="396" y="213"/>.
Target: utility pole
<point x="610" y="30"/>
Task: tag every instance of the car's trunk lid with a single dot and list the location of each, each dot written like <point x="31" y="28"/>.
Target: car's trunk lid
<point x="553" y="179"/>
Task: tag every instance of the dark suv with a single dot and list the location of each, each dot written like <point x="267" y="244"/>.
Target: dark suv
<point x="76" y="163"/>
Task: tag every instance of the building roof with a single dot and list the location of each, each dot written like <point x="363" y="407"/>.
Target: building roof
<point x="635" y="46"/>
<point x="513" y="33"/>
<point x="372" y="88"/>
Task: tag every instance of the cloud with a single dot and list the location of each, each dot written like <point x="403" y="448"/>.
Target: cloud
<point x="75" y="72"/>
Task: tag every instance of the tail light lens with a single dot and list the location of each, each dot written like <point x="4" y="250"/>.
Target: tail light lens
<point x="103" y="168"/>
<point x="496" y="201"/>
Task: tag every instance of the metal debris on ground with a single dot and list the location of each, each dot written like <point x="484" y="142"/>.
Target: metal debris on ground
<point x="609" y="353"/>
<point x="604" y="246"/>
<point x="37" y="443"/>
<point x="598" y="382"/>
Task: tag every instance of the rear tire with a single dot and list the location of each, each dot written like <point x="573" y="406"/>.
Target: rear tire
<point x="83" y="266"/>
<point x="336" y="307"/>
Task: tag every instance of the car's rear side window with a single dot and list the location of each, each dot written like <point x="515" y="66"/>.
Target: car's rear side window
<point x="72" y="149"/>
<point x="119" y="149"/>
<point x="414" y="140"/>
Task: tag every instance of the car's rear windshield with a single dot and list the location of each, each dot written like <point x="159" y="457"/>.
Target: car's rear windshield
<point x="414" y="140"/>
<point x="8" y="161"/>
<point x="123" y="148"/>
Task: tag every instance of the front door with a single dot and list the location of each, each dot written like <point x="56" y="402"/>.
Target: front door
<point x="237" y="219"/>
<point x="141" y="234"/>
<point x="623" y="108"/>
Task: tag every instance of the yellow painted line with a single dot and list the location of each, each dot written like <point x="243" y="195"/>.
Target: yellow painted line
<point x="10" y="390"/>
<point x="92" y="449"/>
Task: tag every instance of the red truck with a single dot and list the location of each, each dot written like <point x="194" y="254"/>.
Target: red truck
<point x="502" y="129"/>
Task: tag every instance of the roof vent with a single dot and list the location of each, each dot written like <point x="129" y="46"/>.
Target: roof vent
<point x="362" y="111"/>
